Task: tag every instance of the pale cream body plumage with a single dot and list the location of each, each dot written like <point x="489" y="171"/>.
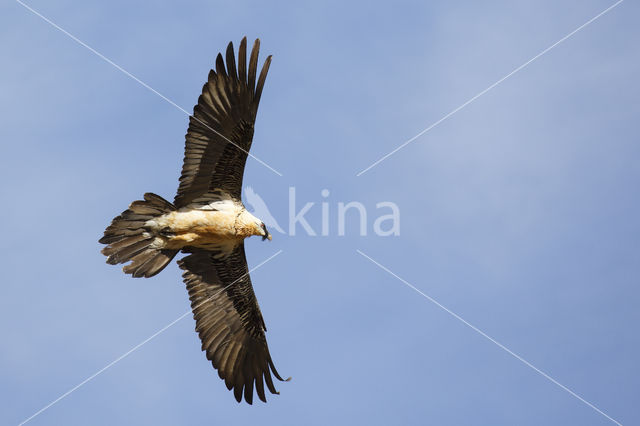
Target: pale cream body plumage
<point x="219" y="225"/>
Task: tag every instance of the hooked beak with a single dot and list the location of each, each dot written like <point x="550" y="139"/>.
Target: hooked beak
<point x="266" y="236"/>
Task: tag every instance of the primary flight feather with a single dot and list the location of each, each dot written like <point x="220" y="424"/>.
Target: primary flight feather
<point x="208" y="221"/>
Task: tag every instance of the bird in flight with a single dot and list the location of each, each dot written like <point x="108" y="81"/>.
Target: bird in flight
<point x="208" y="221"/>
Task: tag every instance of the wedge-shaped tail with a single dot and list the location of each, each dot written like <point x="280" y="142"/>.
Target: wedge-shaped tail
<point x="129" y="239"/>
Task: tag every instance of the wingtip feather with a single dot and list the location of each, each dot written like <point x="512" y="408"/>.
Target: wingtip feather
<point x="231" y="62"/>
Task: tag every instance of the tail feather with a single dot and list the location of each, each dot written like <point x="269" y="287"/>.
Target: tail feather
<point x="121" y="243"/>
<point x="113" y="237"/>
<point x="128" y="238"/>
<point x="126" y="253"/>
<point x="149" y="262"/>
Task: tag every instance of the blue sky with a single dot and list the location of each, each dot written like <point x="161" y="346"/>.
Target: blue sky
<point x="519" y="213"/>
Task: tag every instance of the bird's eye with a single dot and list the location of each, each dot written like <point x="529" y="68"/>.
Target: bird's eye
<point x="263" y="226"/>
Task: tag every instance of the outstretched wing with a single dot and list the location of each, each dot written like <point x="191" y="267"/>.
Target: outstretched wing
<point x="221" y="127"/>
<point x="229" y="321"/>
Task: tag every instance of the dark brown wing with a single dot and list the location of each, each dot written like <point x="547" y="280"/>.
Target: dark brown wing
<point x="221" y="127"/>
<point x="229" y="321"/>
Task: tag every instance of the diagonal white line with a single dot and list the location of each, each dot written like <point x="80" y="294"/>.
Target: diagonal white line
<point x="136" y="347"/>
<point x="489" y="88"/>
<point x="483" y="334"/>
<point x="142" y="83"/>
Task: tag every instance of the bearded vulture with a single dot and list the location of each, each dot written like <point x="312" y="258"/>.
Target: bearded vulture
<point x="208" y="221"/>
